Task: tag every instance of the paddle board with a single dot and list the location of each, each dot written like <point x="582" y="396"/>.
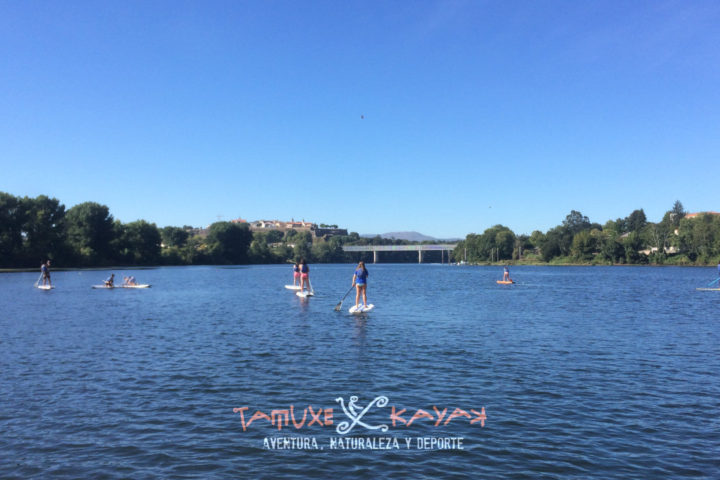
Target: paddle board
<point x="104" y="287"/>
<point x="140" y="285"/>
<point x="361" y="309"/>
<point x="709" y="289"/>
<point x="44" y="287"/>
<point x="304" y="294"/>
<point x="505" y="282"/>
<point x="292" y="287"/>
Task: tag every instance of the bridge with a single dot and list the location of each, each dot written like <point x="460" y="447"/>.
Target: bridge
<point x="401" y="248"/>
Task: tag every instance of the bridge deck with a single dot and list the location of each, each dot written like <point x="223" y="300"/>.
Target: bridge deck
<point x="401" y="248"/>
<point x="397" y="248"/>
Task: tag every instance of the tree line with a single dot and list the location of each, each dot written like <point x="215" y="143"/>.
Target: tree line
<point x="675" y="240"/>
<point x="33" y="230"/>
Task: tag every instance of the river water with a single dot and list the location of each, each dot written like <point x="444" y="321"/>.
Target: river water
<point x="573" y="372"/>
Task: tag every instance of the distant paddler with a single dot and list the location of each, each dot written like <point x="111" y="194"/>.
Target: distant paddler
<point x="359" y="281"/>
<point x="45" y="273"/>
<point x="506" y="277"/>
<point x="130" y="281"/>
<point x="296" y="273"/>
<point x="304" y="276"/>
<point x="110" y="281"/>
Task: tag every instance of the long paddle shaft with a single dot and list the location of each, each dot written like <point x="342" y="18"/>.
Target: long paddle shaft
<point x="37" y="282"/>
<point x="339" y="305"/>
<point x="714" y="281"/>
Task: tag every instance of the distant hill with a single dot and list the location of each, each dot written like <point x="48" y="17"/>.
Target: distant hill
<point x="409" y="236"/>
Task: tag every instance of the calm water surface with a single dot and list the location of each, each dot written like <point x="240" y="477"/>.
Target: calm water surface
<point x="582" y="371"/>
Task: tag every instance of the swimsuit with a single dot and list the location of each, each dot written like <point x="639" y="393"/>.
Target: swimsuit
<point x="361" y="276"/>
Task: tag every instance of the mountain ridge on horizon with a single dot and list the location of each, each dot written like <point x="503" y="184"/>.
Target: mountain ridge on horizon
<point x="409" y="236"/>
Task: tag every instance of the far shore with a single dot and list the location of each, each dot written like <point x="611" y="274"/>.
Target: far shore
<point x="511" y="263"/>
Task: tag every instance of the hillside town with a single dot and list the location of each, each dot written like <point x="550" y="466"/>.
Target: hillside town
<point x="317" y="231"/>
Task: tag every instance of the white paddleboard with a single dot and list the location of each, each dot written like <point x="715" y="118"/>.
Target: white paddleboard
<point x="104" y="287"/>
<point x="304" y="294"/>
<point x="45" y="287"/>
<point x="361" y="309"/>
<point x="142" y="285"/>
<point x="709" y="289"/>
<point x="292" y="287"/>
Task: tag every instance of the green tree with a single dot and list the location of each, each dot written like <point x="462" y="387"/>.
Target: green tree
<point x="584" y="245"/>
<point x="11" y="222"/>
<point x="609" y="243"/>
<point x="636" y="221"/>
<point x="576" y="222"/>
<point x="228" y="242"/>
<point x="699" y="237"/>
<point x="259" y="250"/>
<point x="90" y="231"/>
<point x="551" y="245"/>
<point x="43" y="229"/>
<point x="633" y="243"/>
<point x="139" y="243"/>
<point x="328" y="252"/>
<point x="174" y="236"/>
<point x="274" y="236"/>
<point x="505" y="243"/>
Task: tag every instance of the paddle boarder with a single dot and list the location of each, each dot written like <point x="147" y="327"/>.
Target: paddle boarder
<point x="45" y="270"/>
<point x="506" y="274"/>
<point x="359" y="281"/>
<point x="304" y="275"/>
<point x="296" y="273"/>
<point x="110" y="281"/>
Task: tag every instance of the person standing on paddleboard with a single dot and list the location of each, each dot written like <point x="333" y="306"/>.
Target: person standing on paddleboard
<point x="359" y="281"/>
<point x="304" y="275"/>
<point x="296" y="273"/>
<point x="45" y="270"/>
<point x="506" y="274"/>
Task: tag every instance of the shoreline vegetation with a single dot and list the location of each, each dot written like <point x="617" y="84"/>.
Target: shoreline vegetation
<point x="497" y="264"/>
<point x="85" y="236"/>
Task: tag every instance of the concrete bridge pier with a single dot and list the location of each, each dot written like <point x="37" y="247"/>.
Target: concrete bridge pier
<point x="375" y="256"/>
<point x="420" y="256"/>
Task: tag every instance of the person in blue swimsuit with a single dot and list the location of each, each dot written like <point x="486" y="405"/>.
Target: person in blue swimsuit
<point x="360" y="282"/>
<point x="110" y="281"/>
<point x="45" y="270"/>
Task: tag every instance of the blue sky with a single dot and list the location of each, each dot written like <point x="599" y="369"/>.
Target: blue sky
<point x="442" y="117"/>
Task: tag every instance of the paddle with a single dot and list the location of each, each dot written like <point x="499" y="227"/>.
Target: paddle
<point x="339" y="305"/>
<point x="714" y="281"/>
<point x="37" y="282"/>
